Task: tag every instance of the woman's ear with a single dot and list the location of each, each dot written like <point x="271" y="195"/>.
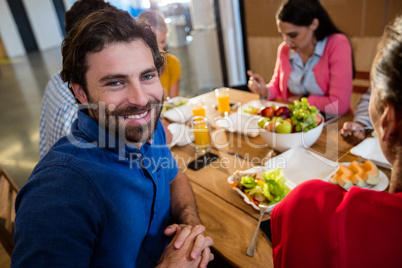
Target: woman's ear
<point x="389" y="122"/>
<point x="79" y="93"/>
<point x="314" y="25"/>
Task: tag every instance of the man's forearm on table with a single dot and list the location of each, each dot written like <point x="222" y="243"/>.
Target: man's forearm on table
<point x="183" y="206"/>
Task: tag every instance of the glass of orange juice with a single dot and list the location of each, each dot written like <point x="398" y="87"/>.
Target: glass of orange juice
<point x="200" y="127"/>
<point x="222" y="97"/>
<point x="199" y="109"/>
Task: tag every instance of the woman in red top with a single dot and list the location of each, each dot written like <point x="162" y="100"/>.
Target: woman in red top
<point x="322" y="225"/>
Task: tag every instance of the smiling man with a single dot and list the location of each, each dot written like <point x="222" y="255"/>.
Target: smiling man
<point x="110" y="194"/>
<point x="131" y="94"/>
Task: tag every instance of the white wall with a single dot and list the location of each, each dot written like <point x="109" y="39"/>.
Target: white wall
<point x="44" y="22"/>
<point x="233" y="42"/>
<point x="9" y="32"/>
<point x="68" y="4"/>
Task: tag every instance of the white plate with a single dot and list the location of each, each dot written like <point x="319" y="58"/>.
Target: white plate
<point x="181" y="134"/>
<point x="259" y="105"/>
<point x="177" y="100"/>
<point x="370" y="149"/>
<point x="380" y="186"/>
<point x="241" y="123"/>
<point x="179" y="114"/>
<point x="299" y="165"/>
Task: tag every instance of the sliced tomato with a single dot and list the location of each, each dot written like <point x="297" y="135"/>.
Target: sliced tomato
<point x="256" y="202"/>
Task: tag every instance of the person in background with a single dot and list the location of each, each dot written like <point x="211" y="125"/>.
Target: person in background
<point x="315" y="60"/>
<point x="59" y="107"/>
<point x="170" y="77"/>
<point x="319" y="224"/>
<point x="355" y="131"/>
<point x="110" y="193"/>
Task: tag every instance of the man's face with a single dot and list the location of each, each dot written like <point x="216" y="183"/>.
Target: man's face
<point x="123" y="82"/>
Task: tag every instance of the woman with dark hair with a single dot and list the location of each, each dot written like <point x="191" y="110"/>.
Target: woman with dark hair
<point x="314" y="60"/>
<point x="319" y="224"/>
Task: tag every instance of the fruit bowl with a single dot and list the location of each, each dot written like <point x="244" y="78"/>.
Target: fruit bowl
<point x="284" y="141"/>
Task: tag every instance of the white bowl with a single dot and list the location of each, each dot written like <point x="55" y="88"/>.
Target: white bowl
<point x="282" y="142"/>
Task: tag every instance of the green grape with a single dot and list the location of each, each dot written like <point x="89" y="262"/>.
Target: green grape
<point x="302" y="115"/>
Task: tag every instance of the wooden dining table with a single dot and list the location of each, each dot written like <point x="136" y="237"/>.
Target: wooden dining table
<point x="228" y="219"/>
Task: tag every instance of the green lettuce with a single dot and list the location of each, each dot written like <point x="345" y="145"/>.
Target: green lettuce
<point x="248" y="182"/>
<point x="275" y="189"/>
<point x="273" y="174"/>
<point x="256" y="193"/>
<point x="271" y="191"/>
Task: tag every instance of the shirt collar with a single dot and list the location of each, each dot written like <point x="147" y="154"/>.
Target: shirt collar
<point x="318" y="50"/>
<point x="320" y="46"/>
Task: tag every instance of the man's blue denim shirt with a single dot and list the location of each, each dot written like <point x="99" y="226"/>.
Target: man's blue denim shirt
<point x="94" y="201"/>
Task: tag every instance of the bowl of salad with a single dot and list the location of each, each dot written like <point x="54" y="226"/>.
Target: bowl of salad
<point x="287" y="126"/>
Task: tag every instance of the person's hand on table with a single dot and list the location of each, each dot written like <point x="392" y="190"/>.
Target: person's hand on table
<point x="257" y="84"/>
<point x="188" y="248"/>
<point x="169" y="135"/>
<point x="353" y="132"/>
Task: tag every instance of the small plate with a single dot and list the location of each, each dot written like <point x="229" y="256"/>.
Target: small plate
<point x="176" y="101"/>
<point x="180" y="114"/>
<point x="258" y="104"/>
<point x="370" y="149"/>
<point x="241" y="123"/>
<point x="380" y="186"/>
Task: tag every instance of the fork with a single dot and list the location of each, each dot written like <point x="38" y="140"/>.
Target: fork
<point x="262" y="99"/>
<point x="253" y="243"/>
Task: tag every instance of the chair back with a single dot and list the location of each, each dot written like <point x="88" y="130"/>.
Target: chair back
<point x="8" y="193"/>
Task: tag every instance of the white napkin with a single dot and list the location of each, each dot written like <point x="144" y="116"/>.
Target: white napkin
<point x="181" y="134"/>
<point x="241" y="123"/>
<point x="370" y="149"/>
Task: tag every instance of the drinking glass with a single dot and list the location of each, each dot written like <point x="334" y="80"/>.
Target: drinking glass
<point x="200" y="127"/>
<point x="222" y="97"/>
<point x="199" y="109"/>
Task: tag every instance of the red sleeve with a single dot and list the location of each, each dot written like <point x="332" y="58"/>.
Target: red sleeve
<point x="300" y="225"/>
<point x="319" y="224"/>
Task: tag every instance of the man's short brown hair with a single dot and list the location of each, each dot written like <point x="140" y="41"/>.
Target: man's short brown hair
<point x="93" y="33"/>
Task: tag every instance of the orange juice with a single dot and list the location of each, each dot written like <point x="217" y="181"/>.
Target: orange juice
<point x="201" y="133"/>
<point x="201" y="138"/>
<point x="223" y="103"/>
<point x="198" y="110"/>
